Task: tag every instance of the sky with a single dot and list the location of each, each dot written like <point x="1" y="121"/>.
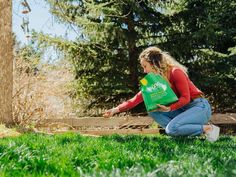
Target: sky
<point x="39" y="19"/>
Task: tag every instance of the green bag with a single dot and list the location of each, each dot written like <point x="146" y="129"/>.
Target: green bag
<point x="156" y="90"/>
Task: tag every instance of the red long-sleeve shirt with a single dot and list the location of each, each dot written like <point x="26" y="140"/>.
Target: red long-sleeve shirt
<point x="181" y="85"/>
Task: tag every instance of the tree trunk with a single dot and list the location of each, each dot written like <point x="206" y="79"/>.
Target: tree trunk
<point x="6" y="62"/>
<point x="133" y="55"/>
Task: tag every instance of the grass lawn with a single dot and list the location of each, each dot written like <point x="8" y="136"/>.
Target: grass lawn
<point x="76" y="155"/>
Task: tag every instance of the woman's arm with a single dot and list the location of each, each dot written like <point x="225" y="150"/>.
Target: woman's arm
<point x="129" y="104"/>
<point x="181" y="83"/>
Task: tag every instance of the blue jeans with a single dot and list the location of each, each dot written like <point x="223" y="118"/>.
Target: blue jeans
<point x="185" y="121"/>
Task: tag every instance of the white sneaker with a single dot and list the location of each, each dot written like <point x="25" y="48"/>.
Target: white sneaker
<point x="213" y="135"/>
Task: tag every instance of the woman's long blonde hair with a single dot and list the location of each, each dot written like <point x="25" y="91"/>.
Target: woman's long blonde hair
<point x="161" y="61"/>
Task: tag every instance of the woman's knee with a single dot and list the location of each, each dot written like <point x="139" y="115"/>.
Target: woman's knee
<point x="154" y="114"/>
<point x="172" y="130"/>
<point x="160" y="118"/>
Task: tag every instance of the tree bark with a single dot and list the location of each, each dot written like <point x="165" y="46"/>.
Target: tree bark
<point x="133" y="55"/>
<point x="6" y="62"/>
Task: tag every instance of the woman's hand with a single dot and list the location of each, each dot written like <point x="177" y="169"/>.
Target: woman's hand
<point x="163" y="108"/>
<point x="110" y="112"/>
